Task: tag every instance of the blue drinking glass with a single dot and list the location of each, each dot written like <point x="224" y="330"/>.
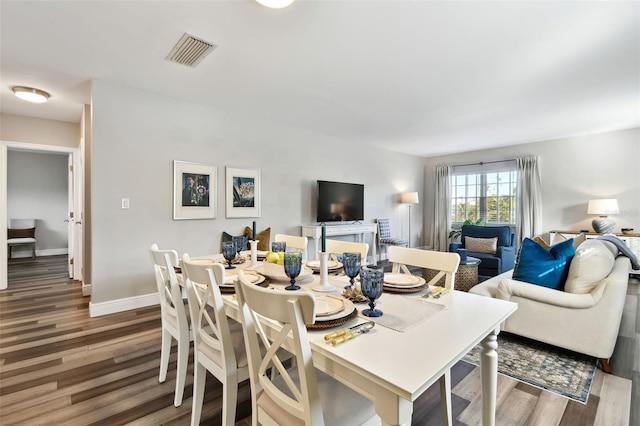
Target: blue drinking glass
<point x="292" y="267"/>
<point x="371" y="282"/>
<point x="278" y="246"/>
<point x="229" y="252"/>
<point x="351" y="265"/>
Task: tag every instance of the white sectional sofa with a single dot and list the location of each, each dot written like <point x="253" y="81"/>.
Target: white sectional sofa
<point x="585" y="317"/>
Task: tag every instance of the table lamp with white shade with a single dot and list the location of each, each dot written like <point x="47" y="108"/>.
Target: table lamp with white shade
<point x="409" y="198"/>
<point x="603" y="224"/>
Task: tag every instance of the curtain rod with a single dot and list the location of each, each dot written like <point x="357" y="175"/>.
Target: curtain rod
<point x="481" y="163"/>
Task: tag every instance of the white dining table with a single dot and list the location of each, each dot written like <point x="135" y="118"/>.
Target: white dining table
<point x="393" y="368"/>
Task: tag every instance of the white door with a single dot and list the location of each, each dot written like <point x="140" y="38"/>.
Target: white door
<point x="74" y="218"/>
<point x="78" y="191"/>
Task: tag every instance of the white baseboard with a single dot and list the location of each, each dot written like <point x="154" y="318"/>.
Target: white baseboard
<point x="15" y="254"/>
<point x="86" y="289"/>
<point x="122" y="305"/>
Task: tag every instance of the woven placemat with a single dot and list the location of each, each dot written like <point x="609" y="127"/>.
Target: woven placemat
<point x="404" y="290"/>
<point x="320" y="325"/>
<point x="232" y="290"/>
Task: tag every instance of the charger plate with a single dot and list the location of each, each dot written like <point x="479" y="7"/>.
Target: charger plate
<point x="404" y="289"/>
<point x="321" y="325"/>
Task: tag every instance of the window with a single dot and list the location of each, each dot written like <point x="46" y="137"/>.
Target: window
<point x="488" y="195"/>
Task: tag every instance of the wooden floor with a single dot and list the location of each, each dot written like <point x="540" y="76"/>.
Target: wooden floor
<point x="58" y="366"/>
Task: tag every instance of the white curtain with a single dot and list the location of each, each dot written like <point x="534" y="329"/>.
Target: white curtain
<point x="441" y="209"/>
<point x="529" y="198"/>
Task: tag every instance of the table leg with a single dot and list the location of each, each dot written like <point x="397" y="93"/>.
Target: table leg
<point x="445" y="398"/>
<point x="489" y="375"/>
<point x="392" y="409"/>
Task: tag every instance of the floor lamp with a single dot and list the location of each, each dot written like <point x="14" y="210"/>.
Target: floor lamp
<point x="409" y="198"/>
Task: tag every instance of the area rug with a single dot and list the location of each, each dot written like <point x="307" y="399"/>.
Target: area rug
<point x="547" y="367"/>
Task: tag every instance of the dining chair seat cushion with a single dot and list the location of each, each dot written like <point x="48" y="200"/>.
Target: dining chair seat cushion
<point x="352" y="409"/>
<point x="21" y="240"/>
<point x="235" y="330"/>
<point x="394" y="241"/>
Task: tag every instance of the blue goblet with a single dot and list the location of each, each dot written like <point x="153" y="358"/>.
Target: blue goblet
<point x="278" y="246"/>
<point x="292" y="267"/>
<point x="371" y="282"/>
<point x="351" y="265"/>
<point x="229" y="252"/>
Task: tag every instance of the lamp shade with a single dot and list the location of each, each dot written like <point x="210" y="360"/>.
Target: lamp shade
<point x="409" y="198"/>
<point x="603" y="207"/>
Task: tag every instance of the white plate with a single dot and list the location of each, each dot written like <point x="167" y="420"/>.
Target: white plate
<point x="348" y="309"/>
<point x="259" y="253"/>
<point x="331" y="264"/>
<point x="328" y="305"/>
<point x="276" y="272"/>
<point x="252" y="278"/>
<point x="395" y="280"/>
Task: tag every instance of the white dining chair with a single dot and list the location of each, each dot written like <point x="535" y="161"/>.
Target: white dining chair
<point x="21" y="232"/>
<point x="295" y="242"/>
<point x="337" y="247"/>
<point x="300" y="394"/>
<point x="447" y="265"/>
<point x="218" y="342"/>
<point x="175" y="323"/>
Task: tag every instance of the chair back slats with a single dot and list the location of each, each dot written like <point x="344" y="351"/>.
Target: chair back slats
<point x="446" y="263"/>
<point x="166" y="281"/>
<point x="294" y="241"/>
<point x="337" y="247"/>
<point x="291" y="311"/>
<point x="210" y="322"/>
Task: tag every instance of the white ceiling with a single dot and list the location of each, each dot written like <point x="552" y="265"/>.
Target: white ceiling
<point x="422" y="77"/>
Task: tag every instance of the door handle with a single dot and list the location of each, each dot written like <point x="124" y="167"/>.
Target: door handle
<point x="79" y="222"/>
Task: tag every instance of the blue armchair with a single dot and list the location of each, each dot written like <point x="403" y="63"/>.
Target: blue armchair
<point x="496" y="263"/>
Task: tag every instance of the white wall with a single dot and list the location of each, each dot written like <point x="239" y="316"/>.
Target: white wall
<point x="136" y="137"/>
<point x="37" y="188"/>
<point x="17" y="128"/>
<point x="573" y="170"/>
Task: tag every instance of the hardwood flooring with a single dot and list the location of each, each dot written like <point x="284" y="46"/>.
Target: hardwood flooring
<point x="58" y="366"/>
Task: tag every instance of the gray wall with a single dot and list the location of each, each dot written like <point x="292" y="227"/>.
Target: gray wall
<point x="136" y="137"/>
<point x="37" y="188"/>
<point x="573" y="170"/>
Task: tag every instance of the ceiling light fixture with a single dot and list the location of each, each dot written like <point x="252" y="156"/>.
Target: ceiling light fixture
<point x="275" y="4"/>
<point x="30" y="94"/>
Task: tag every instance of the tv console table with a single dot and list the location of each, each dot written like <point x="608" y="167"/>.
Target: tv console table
<point x="315" y="232"/>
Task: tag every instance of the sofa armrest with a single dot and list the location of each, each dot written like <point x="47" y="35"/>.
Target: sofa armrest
<point x="508" y="256"/>
<point x="509" y="288"/>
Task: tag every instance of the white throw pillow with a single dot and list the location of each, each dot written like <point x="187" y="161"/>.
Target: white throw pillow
<point x="481" y="245"/>
<point x="592" y="262"/>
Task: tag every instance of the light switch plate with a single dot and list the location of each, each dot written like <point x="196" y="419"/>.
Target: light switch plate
<point x="125" y="203"/>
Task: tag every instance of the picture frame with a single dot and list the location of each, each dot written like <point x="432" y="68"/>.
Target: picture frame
<point x="194" y="190"/>
<point x="243" y="188"/>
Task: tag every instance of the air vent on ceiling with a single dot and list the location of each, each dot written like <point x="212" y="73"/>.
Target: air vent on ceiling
<point x="190" y="50"/>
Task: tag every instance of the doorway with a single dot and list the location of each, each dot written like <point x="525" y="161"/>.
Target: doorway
<point x="74" y="203"/>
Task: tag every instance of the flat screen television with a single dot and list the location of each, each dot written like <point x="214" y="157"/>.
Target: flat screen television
<point x="339" y="201"/>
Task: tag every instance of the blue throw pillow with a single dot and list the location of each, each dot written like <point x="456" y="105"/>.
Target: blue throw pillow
<point x="545" y="267"/>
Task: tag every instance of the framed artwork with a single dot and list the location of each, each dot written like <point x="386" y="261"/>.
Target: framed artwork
<point x="243" y="192"/>
<point x="194" y="191"/>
